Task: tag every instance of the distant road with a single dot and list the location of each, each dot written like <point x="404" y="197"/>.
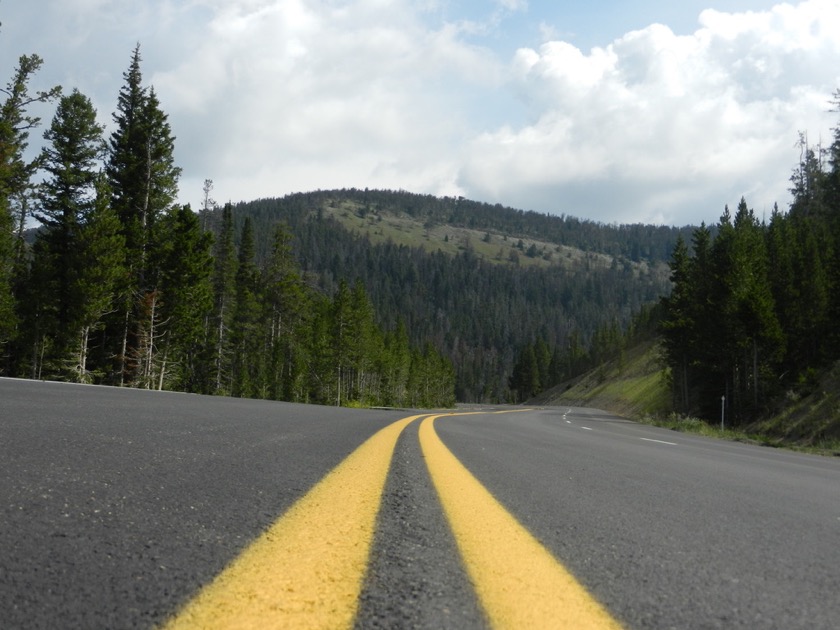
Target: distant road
<point x="123" y="508"/>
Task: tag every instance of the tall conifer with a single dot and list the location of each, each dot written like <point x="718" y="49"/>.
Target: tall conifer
<point x="16" y="186"/>
<point x="68" y="201"/>
<point x="143" y="180"/>
<point x="224" y="273"/>
<point x="245" y="338"/>
<point x="186" y="267"/>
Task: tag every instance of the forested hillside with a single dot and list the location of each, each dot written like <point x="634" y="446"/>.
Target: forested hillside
<point x="479" y="302"/>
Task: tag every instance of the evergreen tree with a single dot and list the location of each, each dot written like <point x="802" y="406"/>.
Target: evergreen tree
<point x="245" y="338"/>
<point x="525" y="378"/>
<point x="832" y="195"/>
<point x="8" y="318"/>
<point x="68" y="200"/>
<point x="808" y="182"/>
<point x="286" y="313"/>
<point x="367" y="349"/>
<point x="759" y="334"/>
<point x="127" y="165"/>
<point x="161" y="175"/>
<point x="96" y="277"/>
<point x="343" y="345"/>
<point x="542" y="354"/>
<point x="16" y="187"/>
<point x="224" y="275"/>
<point x="208" y="205"/>
<point x="143" y="181"/>
<point x="678" y="324"/>
<point x="187" y="298"/>
<point x="396" y="366"/>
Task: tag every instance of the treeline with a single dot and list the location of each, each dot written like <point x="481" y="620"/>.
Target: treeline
<point x="753" y="312"/>
<point x="477" y="313"/>
<point x="122" y="286"/>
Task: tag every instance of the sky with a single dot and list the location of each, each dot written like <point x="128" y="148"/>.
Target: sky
<point x="634" y="111"/>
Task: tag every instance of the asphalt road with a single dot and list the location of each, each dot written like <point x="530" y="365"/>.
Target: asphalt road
<point x="668" y="530"/>
<point x="117" y="505"/>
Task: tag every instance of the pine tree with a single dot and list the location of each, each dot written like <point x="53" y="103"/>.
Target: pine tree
<point x="186" y="265"/>
<point x="127" y="165"/>
<point x="708" y="346"/>
<point x="97" y="275"/>
<point x="760" y="336"/>
<point x="68" y="200"/>
<point x="161" y="175"/>
<point x="143" y="180"/>
<point x="542" y="354"/>
<point x="525" y="378"/>
<point x="16" y="187"/>
<point x="342" y="341"/>
<point x="322" y="369"/>
<point x="224" y="275"/>
<point x="367" y="349"/>
<point x="8" y="318"/>
<point x="248" y="359"/>
<point x="678" y="324"/>
<point x="396" y="366"/>
<point x="808" y="182"/>
<point x="832" y="198"/>
<point x="285" y="314"/>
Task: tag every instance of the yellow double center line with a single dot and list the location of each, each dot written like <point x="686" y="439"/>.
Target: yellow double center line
<point x="307" y="570"/>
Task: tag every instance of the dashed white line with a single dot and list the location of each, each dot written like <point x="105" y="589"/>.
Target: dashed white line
<point x="587" y="429"/>
<point x="659" y="441"/>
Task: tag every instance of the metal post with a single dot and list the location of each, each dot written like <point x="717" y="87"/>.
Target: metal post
<point x="722" y="409"/>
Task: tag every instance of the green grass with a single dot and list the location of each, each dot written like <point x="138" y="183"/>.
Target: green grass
<point x="632" y="387"/>
<point x="700" y="427"/>
<point x="497" y="248"/>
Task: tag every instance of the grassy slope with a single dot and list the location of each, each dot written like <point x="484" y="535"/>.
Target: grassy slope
<point x="403" y="229"/>
<point x="632" y="386"/>
<point x="635" y="387"/>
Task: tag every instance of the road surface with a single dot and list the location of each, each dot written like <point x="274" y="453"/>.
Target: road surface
<point x="132" y="509"/>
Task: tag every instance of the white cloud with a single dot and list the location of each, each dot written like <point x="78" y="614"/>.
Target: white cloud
<point x="268" y="97"/>
<point x="361" y="95"/>
<point x="661" y="127"/>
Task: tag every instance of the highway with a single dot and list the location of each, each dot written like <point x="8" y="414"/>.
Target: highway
<point x="123" y="508"/>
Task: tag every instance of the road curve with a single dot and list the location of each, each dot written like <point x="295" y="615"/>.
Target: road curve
<point x="124" y="508"/>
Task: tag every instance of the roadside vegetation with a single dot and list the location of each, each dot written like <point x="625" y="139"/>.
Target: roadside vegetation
<point x="637" y="385"/>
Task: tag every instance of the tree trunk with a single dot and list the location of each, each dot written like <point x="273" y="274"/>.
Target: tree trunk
<point x="162" y="370"/>
<point x="83" y="353"/>
<point x="124" y="346"/>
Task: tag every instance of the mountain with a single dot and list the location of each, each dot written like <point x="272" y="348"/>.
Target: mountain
<point x="479" y="282"/>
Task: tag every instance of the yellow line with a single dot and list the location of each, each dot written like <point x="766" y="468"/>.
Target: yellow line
<point x="518" y="581"/>
<point x="307" y="569"/>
